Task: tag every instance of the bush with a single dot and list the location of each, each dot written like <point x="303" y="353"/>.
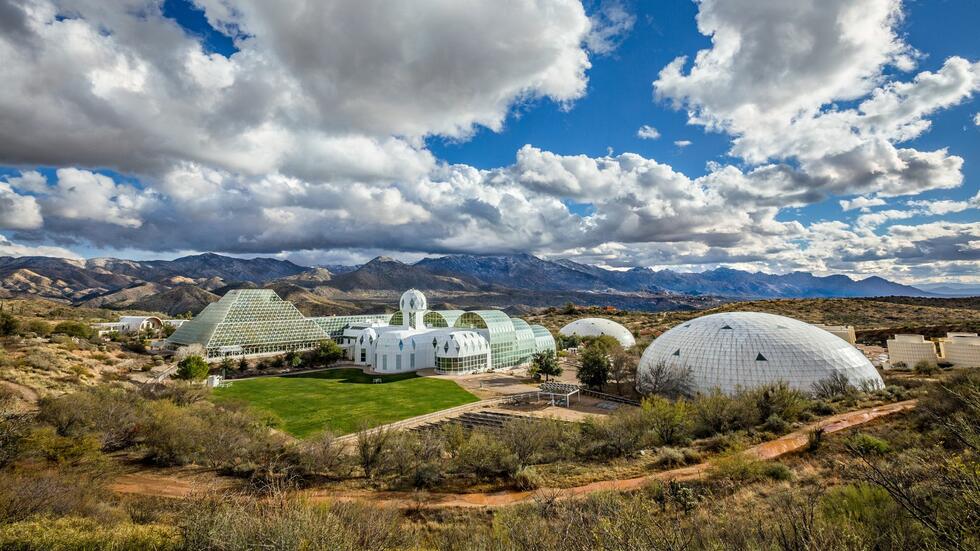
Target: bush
<point x="866" y="444"/>
<point x="485" y="456"/>
<point x="776" y="424"/>
<point x="8" y="324"/>
<point x="834" y="387"/>
<point x="528" y="479"/>
<point x="669" y="457"/>
<point x="669" y="420"/>
<point x="781" y="400"/>
<point x="83" y="533"/>
<point x="926" y="368"/>
<point x="192" y="368"/>
<point x="717" y="412"/>
<point x="40" y="328"/>
<point x="74" y="329"/>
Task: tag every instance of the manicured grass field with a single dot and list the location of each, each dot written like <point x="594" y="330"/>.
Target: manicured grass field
<point x="342" y="400"/>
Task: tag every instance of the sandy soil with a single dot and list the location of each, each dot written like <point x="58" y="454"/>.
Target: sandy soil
<point x="185" y="482"/>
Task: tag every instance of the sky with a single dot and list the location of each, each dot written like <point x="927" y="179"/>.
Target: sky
<point x="829" y="136"/>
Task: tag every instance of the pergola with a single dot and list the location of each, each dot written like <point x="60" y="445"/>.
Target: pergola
<point x="559" y="394"/>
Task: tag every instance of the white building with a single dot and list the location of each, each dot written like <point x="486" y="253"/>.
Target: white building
<point x="845" y="332"/>
<point x="597" y="327"/>
<point x="129" y="324"/>
<point x="451" y="341"/>
<point x="909" y="350"/>
<point x="961" y="349"/>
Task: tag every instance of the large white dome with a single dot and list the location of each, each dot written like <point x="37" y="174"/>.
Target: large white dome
<point x="595" y="327"/>
<point x="748" y="349"/>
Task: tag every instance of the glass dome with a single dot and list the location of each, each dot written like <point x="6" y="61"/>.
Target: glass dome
<point x="749" y="349"/>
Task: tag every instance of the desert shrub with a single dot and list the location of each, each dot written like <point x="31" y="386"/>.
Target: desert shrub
<point x="83" y="533"/>
<point x="834" y="387"/>
<point x="669" y="457"/>
<point x="924" y="367"/>
<point x="485" y="456"/>
<point x="528" y="478"/>
<point x="776" y="424"/>
<point x="178" y="392"/>
<point x="326" y="353"/>
<point x="42" y="359"/>
<point x="533" y="440"/>
<point x="822" y="407"/>
<point x="944" y="364"/>
<point x="669" y="420"/>
<point x="74" y="329"/>
<point x="719" y="443"/>
<point x="372" y="444"/>
<point x="781" y="400"/>
<point x="716" y="412"/>
<point x="866" y="444"/>
<point x="665" y="380"/>
<point x="621" y="434"/>
<point x="192" y="368"/>
<point x="9" y="325"/>
<point x="740" y="468"/>
<point x="814" y="439"/>
<point x="39" y="327"/>
<point x="111" y="413"/>
<point x="169" y="436"/>
<point x="49" y="490"/>
<point x="870" y="513"/>
<point x="415" y="459"/>
<point x="900" y="365"/>
<point x="222" y="524"/>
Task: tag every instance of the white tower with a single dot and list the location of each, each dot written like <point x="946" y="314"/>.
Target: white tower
<point x="413" y="306"/>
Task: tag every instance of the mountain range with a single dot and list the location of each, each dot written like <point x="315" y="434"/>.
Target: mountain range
<point x="189" y="283"/>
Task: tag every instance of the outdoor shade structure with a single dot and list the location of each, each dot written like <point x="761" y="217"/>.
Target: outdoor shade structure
<point x="596" y="327"/>
<point x="734" y="350"/>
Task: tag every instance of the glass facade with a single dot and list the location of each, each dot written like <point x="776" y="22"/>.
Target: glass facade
<point x="248" y="322"/>
<point x="462" y="365"/>
<point x="334" y="325"/>
<point x="524" y="342"/>
<point x="501" y="332"/>
<point x="442" y="318"/>
<point x="543" y="340"/>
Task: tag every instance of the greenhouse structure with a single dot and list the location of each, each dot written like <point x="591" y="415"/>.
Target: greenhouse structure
<point x="257" y="322"/>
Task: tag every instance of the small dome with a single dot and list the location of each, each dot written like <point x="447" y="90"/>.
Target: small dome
<point x="413" y="301"/>
<point x="595" y="327"/>
<point x="749" y="349"/>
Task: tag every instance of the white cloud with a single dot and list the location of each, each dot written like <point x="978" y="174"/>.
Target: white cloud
<point x="682" y="143"/>
<point x="18" y="212"/>
<point x="861" y="202"/>
<point x="8" y="248"/>
<point x="610" y="26"/>
<point x="976" y="119"/>
<point x="774" y="74"/>
<point x="647" y="132"/>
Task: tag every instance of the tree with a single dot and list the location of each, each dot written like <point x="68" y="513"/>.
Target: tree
<point x="243" y="364"/>
<point x="546" y="363"/>
<point x="664" y="380"/>
<point x="227" y="364"/>
<point x="8" y="324"/>
<point x="594" y="370"/>
<point x="192" y="368"/>
<point x="622" y="370"/>
<point x="327" y="352"/>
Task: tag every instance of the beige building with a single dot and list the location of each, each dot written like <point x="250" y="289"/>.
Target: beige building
<point x="845" y="332"/>
<point x="961" y="349"/>
<point x="910" y="350"/>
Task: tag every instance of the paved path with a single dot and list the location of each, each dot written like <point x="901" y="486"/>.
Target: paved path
<point x="167" y="485"/>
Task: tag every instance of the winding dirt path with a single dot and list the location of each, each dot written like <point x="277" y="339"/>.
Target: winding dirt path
<point x="169" y="486"/>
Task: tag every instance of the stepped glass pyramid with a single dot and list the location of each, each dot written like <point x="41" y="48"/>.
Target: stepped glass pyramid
<point x="248" y="322"/>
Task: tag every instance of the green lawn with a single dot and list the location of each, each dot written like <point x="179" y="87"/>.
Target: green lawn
<point x="341" y="400"/>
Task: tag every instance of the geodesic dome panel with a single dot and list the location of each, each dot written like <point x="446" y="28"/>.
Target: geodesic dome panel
<point x="595" y="327"/>
<point x="748" y="349"/>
